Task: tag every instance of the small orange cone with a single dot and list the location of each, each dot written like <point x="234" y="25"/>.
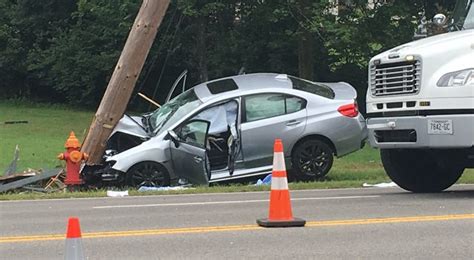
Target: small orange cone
<point x="280" y="214"/>
<point x="74" y="249"/>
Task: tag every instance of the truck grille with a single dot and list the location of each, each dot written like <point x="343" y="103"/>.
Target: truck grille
<point x="398" y="78"/>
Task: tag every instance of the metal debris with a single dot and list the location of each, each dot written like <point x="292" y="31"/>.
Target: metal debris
<point x="22" y="180"/>
<point x="15" y="122"/>
<point x="12" y="167"/>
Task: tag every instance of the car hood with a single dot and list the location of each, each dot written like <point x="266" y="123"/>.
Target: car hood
<point x="427" y="45"/>
<point x="131" y="125"/>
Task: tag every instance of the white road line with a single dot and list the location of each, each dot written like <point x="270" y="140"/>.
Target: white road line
<point x="227" y="202"/>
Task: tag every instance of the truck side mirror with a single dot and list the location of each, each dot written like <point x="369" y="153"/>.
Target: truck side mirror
<point x="174" y="137"/>
<point x="440" y="20"/>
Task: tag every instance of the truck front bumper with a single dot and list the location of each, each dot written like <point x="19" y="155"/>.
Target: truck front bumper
<point x="415" y="132"/>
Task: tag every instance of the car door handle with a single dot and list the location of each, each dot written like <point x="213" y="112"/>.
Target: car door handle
<point x="197" y="159"/>
<point x="293" y="122"/>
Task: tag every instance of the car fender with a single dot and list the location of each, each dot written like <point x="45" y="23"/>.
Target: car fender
<point x="346" y="138"/>
<point x="151" y="150"/>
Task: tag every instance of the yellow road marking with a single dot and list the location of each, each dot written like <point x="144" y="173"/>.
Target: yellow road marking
<point x="190" y="230"/>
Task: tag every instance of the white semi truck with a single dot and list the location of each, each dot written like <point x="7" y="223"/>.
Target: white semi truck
<point x="420" y="105"/>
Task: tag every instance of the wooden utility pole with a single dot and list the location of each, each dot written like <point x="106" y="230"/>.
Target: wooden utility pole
<point x="121" y="85"/>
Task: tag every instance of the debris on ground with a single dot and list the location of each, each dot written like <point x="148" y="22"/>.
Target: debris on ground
<point x="34" y="180"/>
<point x="112" y="193"/>
<point x="15" y="122"/>
<point x="17" y="176"/>
<point x="266" y="181"/>
<point x="381" y="185"/>
<point x="12" y="166"/>
<point x="146" y="188"/>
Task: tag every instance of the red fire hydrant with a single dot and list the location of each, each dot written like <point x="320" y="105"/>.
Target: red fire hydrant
<point x="73" y="157"/>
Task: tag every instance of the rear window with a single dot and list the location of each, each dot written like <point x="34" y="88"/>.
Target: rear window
<point x="311" y="87"/>
<point x="222" y="86"/>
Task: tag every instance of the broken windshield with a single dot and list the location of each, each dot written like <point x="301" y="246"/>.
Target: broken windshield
<point x="463" y="17"/>
<point x="174" y="110"/>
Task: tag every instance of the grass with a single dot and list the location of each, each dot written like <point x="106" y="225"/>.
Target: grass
<point x="43" y="137"/>
<point x="48" y="127"/>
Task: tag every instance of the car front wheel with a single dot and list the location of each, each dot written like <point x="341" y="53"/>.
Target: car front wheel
<point x="312" y="160"/>
<point x="149" y="174"/>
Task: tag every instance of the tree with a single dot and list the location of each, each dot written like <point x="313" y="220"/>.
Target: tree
<point x="65" y="50"/>
<point x="26" y="27"/>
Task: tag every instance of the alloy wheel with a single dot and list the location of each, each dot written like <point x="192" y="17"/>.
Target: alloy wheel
<point x="148" y="174"/>
<point x="312" y="159"/>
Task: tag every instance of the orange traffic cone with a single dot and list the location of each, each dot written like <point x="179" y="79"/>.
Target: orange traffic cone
<point x="73" y="240"/>
<point x="280" y="205"/>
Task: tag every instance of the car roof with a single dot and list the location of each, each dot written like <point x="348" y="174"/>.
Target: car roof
<point x="245" y="82"/>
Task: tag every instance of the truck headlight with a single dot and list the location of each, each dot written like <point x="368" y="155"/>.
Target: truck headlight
<point x="457" y="79"/>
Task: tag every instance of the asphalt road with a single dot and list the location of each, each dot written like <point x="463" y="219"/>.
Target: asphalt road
<point x="369" y="223"/>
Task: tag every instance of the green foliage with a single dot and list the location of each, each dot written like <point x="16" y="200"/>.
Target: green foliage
<point x="81" y="58"/>
<point x="43" y="137"/>
<point x="66" y="50"/>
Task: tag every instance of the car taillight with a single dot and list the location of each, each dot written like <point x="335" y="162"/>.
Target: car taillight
<point x="349" y="110"/>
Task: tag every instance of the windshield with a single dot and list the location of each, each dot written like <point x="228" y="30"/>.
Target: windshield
<point x="174" y="110"/>
<point x="463" y="17"/>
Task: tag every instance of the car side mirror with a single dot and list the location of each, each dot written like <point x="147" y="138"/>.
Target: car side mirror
<point x="174" y="137"/>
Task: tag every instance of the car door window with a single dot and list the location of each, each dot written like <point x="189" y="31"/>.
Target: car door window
<point x="193" y="133"/>
<point x="264" y="106"/>
<point x="294" y="104"/>
<point x="268" y="105"/>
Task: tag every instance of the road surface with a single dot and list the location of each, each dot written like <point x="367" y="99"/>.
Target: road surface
<point x="369" y="223"/>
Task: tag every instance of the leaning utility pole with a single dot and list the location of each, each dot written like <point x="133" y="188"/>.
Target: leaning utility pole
<point x="121" y="85"/>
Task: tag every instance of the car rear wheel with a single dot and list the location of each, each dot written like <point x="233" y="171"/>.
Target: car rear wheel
<point x="419" y="170"/>
<point x="312" y="160"/>
<point x="149" y="174"/>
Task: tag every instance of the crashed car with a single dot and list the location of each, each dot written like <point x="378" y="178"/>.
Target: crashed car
<point x="225" y="129"/>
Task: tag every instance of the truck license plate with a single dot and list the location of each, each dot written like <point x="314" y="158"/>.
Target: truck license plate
<point x="440" y="127"/>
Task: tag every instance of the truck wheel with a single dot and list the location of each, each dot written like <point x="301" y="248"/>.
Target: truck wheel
<point x="419" y="170"/>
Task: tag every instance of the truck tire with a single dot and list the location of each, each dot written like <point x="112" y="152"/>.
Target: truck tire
<point x="420" y="170"/>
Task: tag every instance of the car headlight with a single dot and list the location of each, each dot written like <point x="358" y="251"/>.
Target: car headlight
<point x="457" y="78"/>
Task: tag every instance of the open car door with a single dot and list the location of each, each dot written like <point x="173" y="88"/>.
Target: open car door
<point x="234" y="147"/>
<point x="223" y="131"/>
<point x="183" y="77"/>
<point x="188" y="151"/>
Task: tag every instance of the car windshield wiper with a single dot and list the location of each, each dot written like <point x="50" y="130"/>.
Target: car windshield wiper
<point x="141" y="126"/>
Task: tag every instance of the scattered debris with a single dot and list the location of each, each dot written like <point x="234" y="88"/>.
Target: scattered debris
<point x="31" y="177"/>
<point x="381" y="185"/>
<point x="17" y="176"/>
<point x="12" y="167"/>
<point x="146" y="188"/>
<point x="15" y="122"/>
<point x="56" y="181"/>
<point x="266" y="181"/>
<point x="111" y="193"/>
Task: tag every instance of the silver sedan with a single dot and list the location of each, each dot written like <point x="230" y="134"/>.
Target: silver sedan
<point x="225" y="129"/>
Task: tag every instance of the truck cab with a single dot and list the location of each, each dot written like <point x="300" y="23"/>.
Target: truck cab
<point x="420" y="105"/>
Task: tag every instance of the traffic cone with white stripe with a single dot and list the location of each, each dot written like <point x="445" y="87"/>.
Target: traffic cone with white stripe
<point x="280" y="214"/>
<point x="74" y="240"/>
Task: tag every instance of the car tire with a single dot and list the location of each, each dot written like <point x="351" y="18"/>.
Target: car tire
<point x="420" y="170"/>
<point x="147" y="173"/>
<point x="311" y="160"/>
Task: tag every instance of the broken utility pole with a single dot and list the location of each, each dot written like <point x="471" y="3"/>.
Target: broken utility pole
<point x="124" y="77"/>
